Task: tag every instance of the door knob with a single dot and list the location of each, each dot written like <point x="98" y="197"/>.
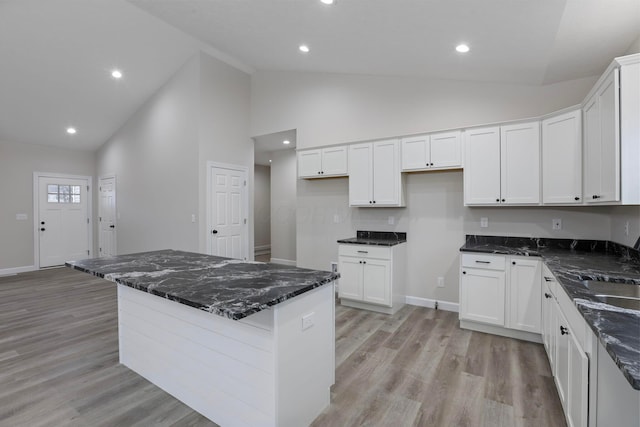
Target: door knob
<point x="42" y="222"/>
<point x="214" y="231"/>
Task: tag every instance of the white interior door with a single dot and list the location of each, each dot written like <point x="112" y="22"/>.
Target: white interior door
<point x="228" y="212"/>
<point x="107" y="216"/>
<point x="63" y="220"/>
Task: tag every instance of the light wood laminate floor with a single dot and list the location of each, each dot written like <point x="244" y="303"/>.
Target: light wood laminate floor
<point x="59" y="366"/>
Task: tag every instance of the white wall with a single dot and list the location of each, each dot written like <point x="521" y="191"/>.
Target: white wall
<point x="154" y="157"/>
<point x="634" y="47"/>
<point x="283" y="206"/>
<point x="262" y="205"/>
<point x="333" y="108"/>
<point x="160" y="156"/>
<point x="225" y="101"/>
<point x="17" y="164"/>
<point x="620" y="216"/>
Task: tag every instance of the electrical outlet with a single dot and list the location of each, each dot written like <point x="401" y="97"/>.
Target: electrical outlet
<point x="484" y="222"/>
<point x="336" y="219"/>
<point x="307" y="321"/>
<point x="193" y="217"/>
<point x="441" y="282"/>
<point x="556" y="224"/>
<point x="392" y="220"/>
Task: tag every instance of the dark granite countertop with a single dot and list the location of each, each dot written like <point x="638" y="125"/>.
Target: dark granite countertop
<point x="574" y="261"/>
<point x="376" y="238"/>
<point x="222" y="286"/>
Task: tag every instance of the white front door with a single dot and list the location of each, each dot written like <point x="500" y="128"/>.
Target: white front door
<point x="107" y="216"/>
<point x="228" y="213"/>
<point x="63" y="220"/>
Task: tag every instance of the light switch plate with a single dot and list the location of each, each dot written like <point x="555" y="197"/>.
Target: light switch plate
<point x="484" y="222"/>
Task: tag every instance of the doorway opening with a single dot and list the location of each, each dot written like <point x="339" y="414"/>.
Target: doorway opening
<point x="275" y="206"/>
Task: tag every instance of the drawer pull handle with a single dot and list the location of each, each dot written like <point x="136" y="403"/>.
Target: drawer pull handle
<point x="363" y="252"/>
<point x="548" y="279"/>
<point x="483" y="262"/>
<point x="547" y="295"/>
<point x="564" y="331"/>
<point x="464" y="272"/>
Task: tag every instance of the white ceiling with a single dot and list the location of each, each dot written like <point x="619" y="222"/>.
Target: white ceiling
<point x="522" y="41"/>
<point x="56" y="55"/>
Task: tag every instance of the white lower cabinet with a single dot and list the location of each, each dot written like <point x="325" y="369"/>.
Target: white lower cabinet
<point x="372" y="277"/>
<point x="501" y="291"/>
<point x="482" y="295"/>
<point x="570" y="346"/>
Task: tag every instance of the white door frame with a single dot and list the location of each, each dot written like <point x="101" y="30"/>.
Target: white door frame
<point x="245" y="204"/>
<point x="115" y="205"/>
<point x="36" y="211"/>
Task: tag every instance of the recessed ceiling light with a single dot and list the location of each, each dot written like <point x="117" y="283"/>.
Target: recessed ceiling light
<point x="269" y="160"/>
<point x="71" y="131"/>
<point x="304" y="48"/>
<point x="327" y="1"/>
<point x="116" y="74"/>
<point x="462" y="48"/>
<point x="286" y="142"/>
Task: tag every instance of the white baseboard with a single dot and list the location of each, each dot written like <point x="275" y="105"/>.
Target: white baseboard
<point x="283" y="261"/>
<point x="15" y="270"/>
<point x="431" y="303"/>
<point x="262" y="249"/>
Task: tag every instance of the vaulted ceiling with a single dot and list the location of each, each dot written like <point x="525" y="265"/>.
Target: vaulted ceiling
<point x="56" y="56"/>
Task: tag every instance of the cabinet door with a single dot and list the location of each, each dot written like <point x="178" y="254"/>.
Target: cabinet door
<point x="609" y="99"/>
<point x="309" y="163"/>
<point x="577" y="402"/>
<point x="520" y="163"/>
<point x="482" y="296"/>
<point x="602" y="143"/>
<point x="562" y="158"/>
<point x="334" y="161"/>
<point x="361" y="174"/>
<point x="446" y="150"/>
<point x="562" y="358"/>
<point x="549" y="327"/>
<point x="415" y="153"/>
<point x="386" y="173"/>
<point x="482" y="166"/>
<point x="350" y="286"/>
<point x="376" y="279"/>
<point x="524" y="295"/>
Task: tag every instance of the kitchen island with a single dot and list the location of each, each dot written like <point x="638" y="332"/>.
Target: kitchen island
<point x="243" y="343"/>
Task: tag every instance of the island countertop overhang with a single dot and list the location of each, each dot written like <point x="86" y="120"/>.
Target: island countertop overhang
<point x="227" y="287"/>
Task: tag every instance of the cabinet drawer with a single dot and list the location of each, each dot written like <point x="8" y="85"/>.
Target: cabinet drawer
<point x="487" y="262"/>
<point x="365" y="251"/>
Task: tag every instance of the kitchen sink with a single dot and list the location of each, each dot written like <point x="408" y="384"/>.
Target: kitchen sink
<point x="622" y="302"/>
<point x="613" y="289"/>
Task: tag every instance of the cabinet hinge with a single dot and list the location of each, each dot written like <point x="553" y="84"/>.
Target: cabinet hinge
<point x="87" y="220"/>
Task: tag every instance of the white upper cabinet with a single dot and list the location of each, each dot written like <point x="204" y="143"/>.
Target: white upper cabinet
<point x="611" y="132"/>
<point x="601" y="142"/>
<point x="321" y="163"/>
<point x="520" y="163"/>
<point x="435" y="151"/>
<point x="374" y="174"/>
<point x="482" y="166"/>
<point x="502" y="165"/>
<point x="562" y="159"/>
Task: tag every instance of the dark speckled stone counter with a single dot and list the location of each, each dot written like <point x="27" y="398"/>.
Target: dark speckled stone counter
<point x="574" y="261"/>
<point x="376" y="238"/>
<point x="222" y="286"/>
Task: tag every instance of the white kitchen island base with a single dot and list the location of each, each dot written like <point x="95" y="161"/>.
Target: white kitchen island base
<point x="262" y="370"/>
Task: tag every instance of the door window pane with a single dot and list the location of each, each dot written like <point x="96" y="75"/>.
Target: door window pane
<point x="57" y="193"/>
